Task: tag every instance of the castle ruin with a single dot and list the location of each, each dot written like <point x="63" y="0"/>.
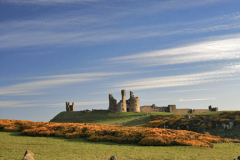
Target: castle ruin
<point x="173" y="109"/>
<point x="133" y="105"/>
<point x="130" y="105"/>
<point x="69" y="107"/>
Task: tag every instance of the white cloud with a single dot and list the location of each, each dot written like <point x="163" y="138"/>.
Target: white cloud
<point x="6" y="104"/>
<point x="35" y="87"/>
<point x="78" y="103"/>
<point x="17" y="104"/>
<point x="201" y="99"/>
<point x="147" y="100"/>
<point x="226" y="73"/>
<point x="223" y="49"/>
<point x="80" y="28"/>
<point x="192" y="90"/>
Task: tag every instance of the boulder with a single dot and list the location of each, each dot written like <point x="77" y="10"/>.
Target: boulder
<point x="28" y="155"/>
<point x="113" y="158"/>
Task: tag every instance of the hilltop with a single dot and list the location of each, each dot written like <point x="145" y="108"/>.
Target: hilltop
<point x="114" y="118"/>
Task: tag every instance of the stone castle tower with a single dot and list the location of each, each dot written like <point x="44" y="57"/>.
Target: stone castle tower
<point x="69" y="107"/>
<point x="130" y="105"/>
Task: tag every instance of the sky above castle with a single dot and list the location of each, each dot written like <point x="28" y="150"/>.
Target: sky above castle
<point x="167" y="52"/>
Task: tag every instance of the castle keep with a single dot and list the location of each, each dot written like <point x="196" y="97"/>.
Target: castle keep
<point x="130" y="105"/>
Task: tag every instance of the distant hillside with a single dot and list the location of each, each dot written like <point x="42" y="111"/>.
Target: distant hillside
<point x="117" y="118"/>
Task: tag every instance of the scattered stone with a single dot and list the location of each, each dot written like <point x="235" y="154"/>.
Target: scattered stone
<point x="28" y="155"/>
<point x="237" y="158"/>
<point x="113" y="158"/>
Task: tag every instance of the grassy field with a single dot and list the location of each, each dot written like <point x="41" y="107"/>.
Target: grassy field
<point x="118" y="118"/>
<point x="13" y="146"/>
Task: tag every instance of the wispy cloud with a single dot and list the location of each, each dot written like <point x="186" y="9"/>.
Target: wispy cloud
<point x="6" y="104"/>
<point x="173" y="4"/>
<point x="201" y="99"/>
<point x="76" y="28"/>
<point x="191" y="90"/>
<point x="147" y="100"/>
<point x="17" y="104"/>
<point x="78" y="103"/>
<point x="221" y="49"/>
<point x="47" y="82"/>
<point x="226" y="73"/>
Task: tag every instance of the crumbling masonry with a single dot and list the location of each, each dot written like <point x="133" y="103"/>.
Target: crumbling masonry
<point x="133" y="105"/>
<point x="69" y="107"/>
<point x="130" y="105"/>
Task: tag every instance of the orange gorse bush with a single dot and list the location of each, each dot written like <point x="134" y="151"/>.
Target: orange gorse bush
<point x="114" y="133"/>
<point x="196" y="123"/>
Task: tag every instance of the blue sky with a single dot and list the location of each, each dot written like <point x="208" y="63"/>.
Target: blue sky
<point x="167" y="52"/>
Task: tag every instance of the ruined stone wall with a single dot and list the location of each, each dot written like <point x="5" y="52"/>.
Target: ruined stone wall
<point x="117" y="107"/>
<point x="69" y="107"/>
<point x="172" y="109"/>
<point x="133" y="103"/>
<point x="148" y="109"/>
<point x="163" y="109"/>
<point x="214" y="109"/>
<point x="122" y="106"/>
<point x="112" y="104"/>
<point x="200" y="110"/>
<point x="153" y="108"/>
<point x="183" y="110"/>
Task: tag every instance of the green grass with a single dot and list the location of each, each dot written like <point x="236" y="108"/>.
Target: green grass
<point x="13" y="146"/>
<point x="118" y="118"/>
<point x="103" y="117"/>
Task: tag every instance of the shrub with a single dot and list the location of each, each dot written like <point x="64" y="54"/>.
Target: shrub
<point x="119" y="134"/>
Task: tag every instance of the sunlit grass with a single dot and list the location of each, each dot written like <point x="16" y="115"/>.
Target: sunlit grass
<point x="13" y="146"/>
<point x="118" y="118"/>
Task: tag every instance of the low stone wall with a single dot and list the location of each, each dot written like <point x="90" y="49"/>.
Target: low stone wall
<point x="200" y="110"/>
<point x="99" y="110"/>
<point x="183" y="110"/>
<point x="148" y="109"/>
<point x="153" y="109"/>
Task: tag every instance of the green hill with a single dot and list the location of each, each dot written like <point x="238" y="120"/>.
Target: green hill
<point x="117" y="118"/>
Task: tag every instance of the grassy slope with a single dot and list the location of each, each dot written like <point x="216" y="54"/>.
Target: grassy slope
<point x="119" y="118"/>
<point x="13" y="146"/>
